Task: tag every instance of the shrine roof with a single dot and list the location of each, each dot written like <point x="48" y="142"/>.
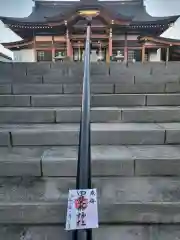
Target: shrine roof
<point x="167" y="41"/>
<point x="51" y="11"/>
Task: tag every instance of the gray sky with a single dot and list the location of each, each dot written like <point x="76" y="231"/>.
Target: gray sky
<point x="22" y="8"/>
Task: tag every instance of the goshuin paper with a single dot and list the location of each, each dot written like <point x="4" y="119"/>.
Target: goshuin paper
<point x="82" y="212"/>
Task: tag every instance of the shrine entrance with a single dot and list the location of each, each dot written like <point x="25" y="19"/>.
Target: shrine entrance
<point x="98" y="52"/>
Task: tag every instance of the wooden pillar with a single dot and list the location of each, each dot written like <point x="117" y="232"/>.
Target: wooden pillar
<point x="71" y="50"/>
<point x="143" y="53"/>
<point x="68" y="44"/>
<point x="110" y="44"/>
<point x="34" y="47"/>
<point x="53" y="50"/>
<point x="79" y="51"/>
<point x="107" y="55"/>
<point x="125" y="48"/>
<point x="167" y="55"/>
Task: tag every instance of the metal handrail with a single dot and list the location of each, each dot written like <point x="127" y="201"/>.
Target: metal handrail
<point x="83" y="179"/>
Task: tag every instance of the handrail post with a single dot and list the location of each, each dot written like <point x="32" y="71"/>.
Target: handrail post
<point x="83" y="178"/>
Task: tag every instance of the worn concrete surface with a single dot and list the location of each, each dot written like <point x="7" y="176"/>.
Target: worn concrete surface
<point x="151" y="114"/>
<point x="20" y="162"/>
<point x="106" y="161"/>
<point x="144" y="114"/>
<point x="4" y="138"/>
<point x="109" y="161"/>
<point x="5" y="89"/>
<point x="163" y="100"/>
<point x="136" y="183"/>
<point x="140" y="88"/>
<point x="156" y="160"/>
<point x="14" y="101"/>
<point x="127" y="200"/>
<point x="37" y="88"/>
<point x="26" y="115"/>
<point x="128" y="232"/>
<point x="102" y="134"/>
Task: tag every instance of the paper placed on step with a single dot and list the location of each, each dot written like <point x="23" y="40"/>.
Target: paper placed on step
<point x="82" y="211"/>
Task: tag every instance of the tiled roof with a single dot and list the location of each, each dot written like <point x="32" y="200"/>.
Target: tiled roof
<point x="45" y="11"/>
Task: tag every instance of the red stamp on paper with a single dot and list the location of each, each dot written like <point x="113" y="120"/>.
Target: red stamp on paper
<point x="81" y="203"/>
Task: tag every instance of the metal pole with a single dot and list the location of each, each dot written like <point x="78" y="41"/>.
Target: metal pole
<point x="83" y="180"/>
<point x="167" y="56"/>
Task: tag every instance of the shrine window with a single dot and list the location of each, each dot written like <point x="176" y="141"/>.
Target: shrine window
<point x="131" y="55"/>
<point x="44" y="55"/>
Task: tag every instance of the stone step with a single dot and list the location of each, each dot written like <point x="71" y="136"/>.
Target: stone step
<point x="102" y="114"/>
<point x="145" y="69"/>
<point x="129" y="77"/>
<point x="115" y="161"/>
<point x="100" y="69"/>
<point x="121" y="200"/>
<point x="156" y="78"/>
<point x="151" y="114"/>
<point x="27" y="115"/>
<point x="104" y="232"/>
<point x="20" y="78"/>
<point x="96" y="88"/>
<point x="59" y="88"/>
<point x="69" y="100"/>
<point x="107" y="161"/>
<point x="101" y="134"/>
<point x="55" y="76"/>
<point x="108" y="100"/>
<point x="97" y="100"/>
<point x="15" y="100"/>
<point x="5" y="89"/>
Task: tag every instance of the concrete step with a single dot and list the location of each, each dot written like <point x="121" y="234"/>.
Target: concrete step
<point x="107" y="161"/>
<point x="15" y="101"/>
<point x="98" y="69"/>
<point x="56" y="76"/>
<point x="5" y="89"/>
<point x="129" y="77"/>
<point x="115" y="161"/>
<point x="108" y="100"/>
<point x="146" y="68"/>
<point x="96" y="88"/>
<point x="97" y="100"/>
<point x="19" y="78"/>
<point x="129" y="232"/>
<point x="121" y="200"/>
<point x="150" y="114"/>
<point x="156" y="78"/>
<point x="67" y="69"/>
<point x="69" y="100"/>
<point x="144" y="114"/>
<point x="102" y="134"/>
<point x="60" y="88"/>
<point x="27" y="115"/>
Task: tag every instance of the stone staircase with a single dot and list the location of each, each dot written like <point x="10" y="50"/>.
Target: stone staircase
<point x="135" y="149"/>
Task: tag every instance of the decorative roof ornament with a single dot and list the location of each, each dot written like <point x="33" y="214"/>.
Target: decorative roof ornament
<point x="89" y="13"/>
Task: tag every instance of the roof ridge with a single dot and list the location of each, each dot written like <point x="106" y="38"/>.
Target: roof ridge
<point x="47" y="2"/>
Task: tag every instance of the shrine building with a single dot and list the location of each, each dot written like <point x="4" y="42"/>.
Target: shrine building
<point x="123" y="30"/>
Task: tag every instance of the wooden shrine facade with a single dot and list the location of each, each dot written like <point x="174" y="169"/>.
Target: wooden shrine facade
<point x="59" y="33"/>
